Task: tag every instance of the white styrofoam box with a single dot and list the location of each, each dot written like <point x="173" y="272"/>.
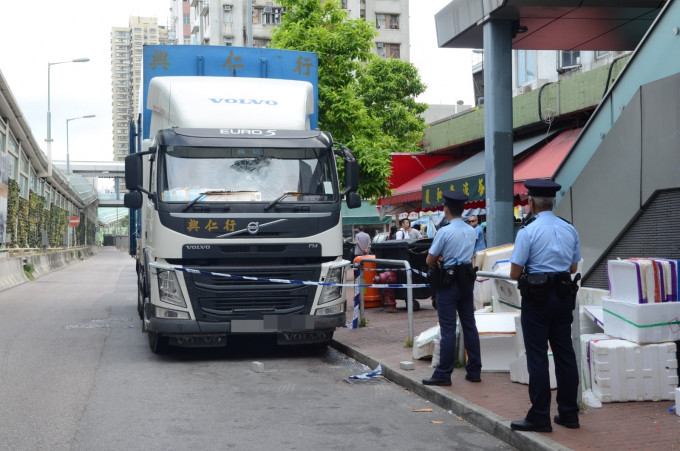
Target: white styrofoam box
<point x="519" y="372"/>
<point x="495" y="323"/>
<point x="482" y="292"/>
<point x="497" y="339"/>
<point x="586" y="372"/>
<point x="624" y="371"/>
<point x="677" y="400"/>
<point x="628" y="280"/>
<point x="642" y="323"/>
<point x="485" y="259"/>
<point x="519" y="337"/>
<point x="497" y="350"/>
<point x="587" y="324"/>
<point x="508" y="294"/>
<point x="591" y="296"/>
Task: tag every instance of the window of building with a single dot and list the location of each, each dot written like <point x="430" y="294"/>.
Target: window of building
<point x="33" y="181"/>
<point x="390" y="21"/>
<point x="24" y="164"/>
<point x="186" y="19"/>
<point x="602" y="53"/>
<point x="23" y="186"/>
<point x="12" y="144"/>
<point x="387" y="50"/>
<point x="2" y="141"/>
<point x="526" y="66"/>
<point x="228" y="42"/>
<point x="569" y="60"/>
<point x="271" y="15"/>
<point x="260" y="42"/>
<point x="13" y="166"/>
<point x="227" y="14"/>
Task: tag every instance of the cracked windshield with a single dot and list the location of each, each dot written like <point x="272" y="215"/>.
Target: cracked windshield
<point x="247" y="175"/>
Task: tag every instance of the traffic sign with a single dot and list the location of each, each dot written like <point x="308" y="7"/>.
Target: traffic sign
<point x="73" y="221"/>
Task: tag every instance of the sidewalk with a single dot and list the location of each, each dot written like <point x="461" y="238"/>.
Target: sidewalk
<point x="496" y="401"/>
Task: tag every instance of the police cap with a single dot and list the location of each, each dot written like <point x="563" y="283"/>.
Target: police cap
<point x="542" y="188"/>
<point x="455" y="199"/>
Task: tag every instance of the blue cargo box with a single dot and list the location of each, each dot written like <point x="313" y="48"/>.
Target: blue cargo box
<point x="223" y="61"/>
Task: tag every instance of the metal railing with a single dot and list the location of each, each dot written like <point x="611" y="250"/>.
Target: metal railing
<point x="409" y="290"/>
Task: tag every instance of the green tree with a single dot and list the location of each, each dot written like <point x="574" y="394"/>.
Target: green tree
<point x="371" y="120"/>
<point x="388" y="88"/>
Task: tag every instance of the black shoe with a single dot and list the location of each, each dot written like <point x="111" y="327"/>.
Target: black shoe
<point x="566" y="424"/>
<point x="524" y="425"/>
<point x="473" y="378"/>
<point x="436" y="381"/>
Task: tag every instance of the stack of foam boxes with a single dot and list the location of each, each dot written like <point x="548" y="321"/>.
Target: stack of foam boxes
<point x="493" y="259"/>
<point x="636" y="357"/>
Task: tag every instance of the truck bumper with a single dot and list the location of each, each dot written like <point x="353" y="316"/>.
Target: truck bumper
<point x="269" y="324"/>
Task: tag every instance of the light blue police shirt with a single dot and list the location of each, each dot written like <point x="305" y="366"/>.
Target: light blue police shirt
<point x="549" y="244"/>
<point x="455" y="243"/>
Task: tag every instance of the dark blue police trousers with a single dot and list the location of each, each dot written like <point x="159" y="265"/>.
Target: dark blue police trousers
<point x="451" y="300"/>
<point x="543" y="321"/>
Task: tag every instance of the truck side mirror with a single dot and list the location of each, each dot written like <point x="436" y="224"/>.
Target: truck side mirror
<point x="353" y="200"/>
<point x="133" y="200"/>
<point x="134" y="171"/>
<point x="351" y="176"/>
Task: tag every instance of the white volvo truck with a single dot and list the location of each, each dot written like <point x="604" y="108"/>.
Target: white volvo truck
<point x="233" y="195"/>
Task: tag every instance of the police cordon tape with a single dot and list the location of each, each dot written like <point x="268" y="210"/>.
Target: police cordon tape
<point x="301" y="282"/>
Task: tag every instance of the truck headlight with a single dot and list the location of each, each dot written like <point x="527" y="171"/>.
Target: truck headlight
<point x="168" y="288"/>
<point x="331" y="293"/>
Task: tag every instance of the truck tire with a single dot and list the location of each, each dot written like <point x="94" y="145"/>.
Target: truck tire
<point x="158" y="343"/>
<point x="140" y="295"/>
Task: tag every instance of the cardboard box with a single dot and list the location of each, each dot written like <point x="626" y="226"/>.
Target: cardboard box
<point x="642" y="323"/>
<point x="625" y="371"/>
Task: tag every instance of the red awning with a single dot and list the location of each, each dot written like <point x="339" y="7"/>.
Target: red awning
<point x="411" y="191"/>
<point x="543" y="163"/>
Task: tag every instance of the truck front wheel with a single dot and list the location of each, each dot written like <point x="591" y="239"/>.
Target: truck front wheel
<point x="158" y="343"/>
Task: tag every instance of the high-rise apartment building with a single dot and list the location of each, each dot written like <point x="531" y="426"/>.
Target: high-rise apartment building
<point x="126" y="75"/>
<point x="224" y="22"/>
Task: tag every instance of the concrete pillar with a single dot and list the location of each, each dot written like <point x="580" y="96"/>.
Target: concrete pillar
<point x="498" y="131"/>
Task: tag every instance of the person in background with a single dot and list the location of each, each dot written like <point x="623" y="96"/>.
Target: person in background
<point x="404" y="232"/>
<point x="545" y="255"/>
<point x="480" y="243"/>
<point x="452" y="250"/>
<point x="362" y="242"/>
<point x="393" y="233"/>
<point x="415" y="233"/>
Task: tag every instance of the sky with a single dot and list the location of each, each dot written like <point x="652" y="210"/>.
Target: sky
<point x="37" y="33"/>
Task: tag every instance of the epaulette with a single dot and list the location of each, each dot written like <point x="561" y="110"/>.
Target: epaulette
<point x="528" y="221"/>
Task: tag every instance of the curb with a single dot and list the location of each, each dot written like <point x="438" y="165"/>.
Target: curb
<point x="483" y="418"/>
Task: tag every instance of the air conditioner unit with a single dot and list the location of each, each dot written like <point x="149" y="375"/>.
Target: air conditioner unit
<point x="525" y="89"/>
<point x="227" y="8"/>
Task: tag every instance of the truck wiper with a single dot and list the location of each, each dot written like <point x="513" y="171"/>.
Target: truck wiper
<point x="204" y="194"/>
<point x="286" y="194"/>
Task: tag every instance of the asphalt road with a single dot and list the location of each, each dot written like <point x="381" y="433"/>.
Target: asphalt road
<point x="76" y="373"/>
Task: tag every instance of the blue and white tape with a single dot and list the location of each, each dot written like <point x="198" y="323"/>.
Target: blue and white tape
<point x="301" y="282"/>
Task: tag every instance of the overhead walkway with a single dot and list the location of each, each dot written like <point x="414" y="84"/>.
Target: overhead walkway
<point x="622" y="171"/>
<point x="87" y="175"/>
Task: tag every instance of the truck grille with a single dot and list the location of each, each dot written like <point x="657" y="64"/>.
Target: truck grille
<point x="216" y="298"/>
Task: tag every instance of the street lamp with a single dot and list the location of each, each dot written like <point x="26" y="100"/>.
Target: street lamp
<point x="68" y="159"/>
<point x="49" y="113"/>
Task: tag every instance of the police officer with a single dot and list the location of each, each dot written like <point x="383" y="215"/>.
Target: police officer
<point x="546" y="253"/>
<point x="452" y="248"/>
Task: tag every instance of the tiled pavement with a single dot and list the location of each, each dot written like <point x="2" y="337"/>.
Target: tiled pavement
<point x="496" y="401"/>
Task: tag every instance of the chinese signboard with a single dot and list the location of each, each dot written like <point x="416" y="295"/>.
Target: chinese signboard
<point x="473" y="187"/>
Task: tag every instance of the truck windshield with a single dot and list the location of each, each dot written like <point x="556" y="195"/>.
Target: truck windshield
<point x="246" y="175"/>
